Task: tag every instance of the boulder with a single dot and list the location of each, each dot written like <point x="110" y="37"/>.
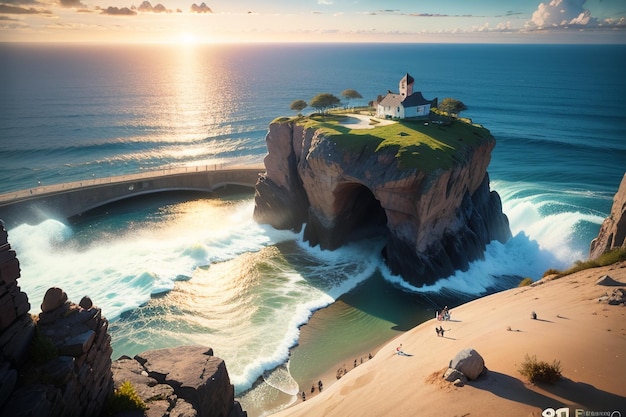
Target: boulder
<point x="469" y="363"/>
<point x="607" y="281"/>
<point x="191" y="380"/>
<point x="452" y="375"/>
<point x="54" y="298"/>
<point x="86" y="303"/>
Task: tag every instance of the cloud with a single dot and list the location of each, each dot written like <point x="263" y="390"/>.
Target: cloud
<point x="325" y="2"/>
<point x="560" y="13"/>
<point x="203" y="8"/>
<point x="429" y="15"/>
<point x="20" y="2"/>
<point x="146" y="7"/>
<point x="117" y="11"/>
<point x="8" y="9"/>
<point x="72" y="3"/>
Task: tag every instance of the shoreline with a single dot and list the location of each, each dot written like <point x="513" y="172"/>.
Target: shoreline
<point x="587" y="337"/>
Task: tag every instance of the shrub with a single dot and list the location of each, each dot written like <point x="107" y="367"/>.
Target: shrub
<point x="525" y="282"/>
<point x="607" y="258"/>
<point x="125" y="398"/>
<point x="551" y="271"/>
<point x="42" y="349"/>
<point x="540" y="371"/>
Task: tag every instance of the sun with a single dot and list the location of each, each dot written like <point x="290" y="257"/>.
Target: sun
<point x="187" y="38"/>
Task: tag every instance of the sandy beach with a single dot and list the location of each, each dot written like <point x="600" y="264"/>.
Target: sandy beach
<point x="587" y="337"/>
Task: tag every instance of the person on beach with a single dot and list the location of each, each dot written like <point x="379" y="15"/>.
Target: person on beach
<point x="441" y="330"/>
<point x="399" y="350"/>
<point x="312" y="389"/>
<point x="438" y="332"/>
<point x="320" y="386"/>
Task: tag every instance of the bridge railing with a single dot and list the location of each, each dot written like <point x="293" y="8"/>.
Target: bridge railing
<point x="41" y="189"/>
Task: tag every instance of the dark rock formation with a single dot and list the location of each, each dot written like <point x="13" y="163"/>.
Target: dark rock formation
<point x="613" y="230"/>
<point x="187" y="378"/>
<point x="67" y="366"/>
<point x="16" y="325"/>
<point x="436" y="221"/>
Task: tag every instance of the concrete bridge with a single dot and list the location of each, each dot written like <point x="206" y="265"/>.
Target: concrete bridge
<point x="63" y="201"/>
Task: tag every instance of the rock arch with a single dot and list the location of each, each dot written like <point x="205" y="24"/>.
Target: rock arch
<point x="359" y="212"/>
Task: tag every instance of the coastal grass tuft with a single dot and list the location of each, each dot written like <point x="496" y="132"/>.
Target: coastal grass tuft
<point x="124" y="398"/>
<point x="427" y="146"/>
<point x="42" y="349"/>
<point x="540" y="371"/>
<point x="525" y="282"/>
<point x="607" y="258"/>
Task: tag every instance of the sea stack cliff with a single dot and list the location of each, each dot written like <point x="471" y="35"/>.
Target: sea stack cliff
<point x="612" y="234"/>
<point x="424" y="186"/>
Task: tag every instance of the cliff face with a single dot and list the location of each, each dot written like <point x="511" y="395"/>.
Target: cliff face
<point x="613" y="230"/>
<point x="436" y="220"/>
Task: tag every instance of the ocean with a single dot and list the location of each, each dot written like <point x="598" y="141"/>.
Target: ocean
<point x="188" y="268"/>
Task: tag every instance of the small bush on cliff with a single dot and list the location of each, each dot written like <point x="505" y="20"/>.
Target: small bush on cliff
<point x="42" y="349"/>
<point x="525" y="282"/>
<point x="540" y="371"/>
<point x="125" y="398"/>
<point x="607" y="258"/>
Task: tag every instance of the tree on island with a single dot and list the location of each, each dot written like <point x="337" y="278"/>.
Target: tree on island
<point x="298" y="105"/>
<point x="452" y="106"/>
<point x="323" y="101"/>
<point x="350" y="94"/>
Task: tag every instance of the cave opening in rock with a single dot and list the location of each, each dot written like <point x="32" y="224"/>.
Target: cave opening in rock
<point x="360" y="214"/>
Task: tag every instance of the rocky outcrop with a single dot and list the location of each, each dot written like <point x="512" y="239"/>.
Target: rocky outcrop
<point x="16" y="325"/>
<point x="436" y="220"/>
<point x="187" y="380"/>
<point x="613" y="230"/>
<point x="67" y="371"/>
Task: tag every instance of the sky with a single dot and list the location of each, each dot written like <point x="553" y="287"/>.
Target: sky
<point x="220" y="21"/>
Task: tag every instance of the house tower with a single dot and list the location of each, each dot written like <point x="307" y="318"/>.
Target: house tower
<point x="406" y="85"/>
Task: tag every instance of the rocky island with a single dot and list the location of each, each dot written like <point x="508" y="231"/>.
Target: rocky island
<point x="421" y="184"/>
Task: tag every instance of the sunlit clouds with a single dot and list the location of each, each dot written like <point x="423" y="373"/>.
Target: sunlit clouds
<point x="528" y="21"/>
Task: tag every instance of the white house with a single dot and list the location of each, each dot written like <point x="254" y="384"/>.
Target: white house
<point x="406" y="103"/>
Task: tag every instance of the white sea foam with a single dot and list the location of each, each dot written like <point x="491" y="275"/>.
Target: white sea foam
<point x="548" y="217"/>
<point x="123" y="272"/>
<point x="331" y="274"/>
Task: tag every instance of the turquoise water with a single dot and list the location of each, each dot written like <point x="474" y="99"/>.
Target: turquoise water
<point x="176" y="269"/>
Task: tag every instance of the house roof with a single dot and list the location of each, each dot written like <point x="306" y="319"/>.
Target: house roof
<point x="395" y="100"/>
<point x="415" y="99"/>
<point x="392" y="100"/>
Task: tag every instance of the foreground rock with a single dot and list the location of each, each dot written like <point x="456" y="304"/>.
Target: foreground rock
<point x="612" y="233"/>
<point x="469" y="363"/>
<point x="436" y="219"/>
<point x="187" y="381"/>
<point x="65" y="366"/>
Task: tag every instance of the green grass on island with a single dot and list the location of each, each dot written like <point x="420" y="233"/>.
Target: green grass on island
<point x="439" y="143"/>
